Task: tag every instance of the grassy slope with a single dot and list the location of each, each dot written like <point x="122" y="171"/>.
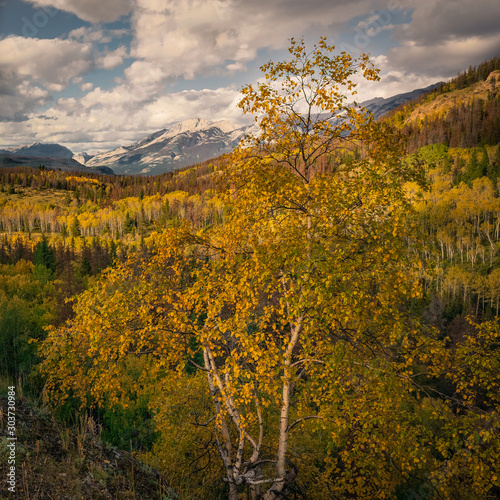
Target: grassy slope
<point x="57" y="462"/>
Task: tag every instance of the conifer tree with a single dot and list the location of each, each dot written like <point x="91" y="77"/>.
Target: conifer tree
<point x="45" y="255"/>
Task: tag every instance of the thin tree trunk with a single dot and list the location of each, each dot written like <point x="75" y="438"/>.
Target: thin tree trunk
<point x="233" y="492"/>
<point x="278" y="485"/>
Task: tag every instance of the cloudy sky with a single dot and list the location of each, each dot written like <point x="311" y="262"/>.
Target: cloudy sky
<point x="96" y="74"/>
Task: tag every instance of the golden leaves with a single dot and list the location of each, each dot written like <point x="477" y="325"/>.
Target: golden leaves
<point x="295" y="105"/>
<point x="294" y="302"/>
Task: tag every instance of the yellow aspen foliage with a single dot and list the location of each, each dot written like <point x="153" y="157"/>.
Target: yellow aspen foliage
<point x="308" y="371"/>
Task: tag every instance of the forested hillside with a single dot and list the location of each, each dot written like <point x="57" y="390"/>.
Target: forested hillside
<point x="313" y="316"/>
<point x="464" y="112"/>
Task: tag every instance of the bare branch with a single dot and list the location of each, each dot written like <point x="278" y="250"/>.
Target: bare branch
<point x="205" y="424"/>
<point x="318" y="361"/>
<point x="255" y="482"/>
<point x="198" y="366"/>
<point x="291" y="426"/>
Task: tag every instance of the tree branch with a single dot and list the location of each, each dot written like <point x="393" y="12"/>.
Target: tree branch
<point x="318" y="361"/>
<point x="291" y="426"/>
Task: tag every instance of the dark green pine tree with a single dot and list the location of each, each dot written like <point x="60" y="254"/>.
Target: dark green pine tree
<point x="484" y="164"/>
<point x="128" y="224"/>
<point x="495" y="166"/>
<point x="472" y="166"/>
<point x="85" y="267"/>
<point x="45" y="255"/>
<point x="112" y="252"/>
<point x="496" y="158"/>
<point x="75" y="228"/>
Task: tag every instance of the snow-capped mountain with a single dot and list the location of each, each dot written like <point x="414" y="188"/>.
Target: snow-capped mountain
<point x="52" y="156"/>
<point x="82" y="157"/>
<point x="50" y="162"/>
<point x="195" y="140"/>
<point x="39" y="149"/>
<point x="185" y="143"/>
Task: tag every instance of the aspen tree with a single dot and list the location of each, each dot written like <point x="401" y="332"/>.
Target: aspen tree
<point x="288" y="303"/>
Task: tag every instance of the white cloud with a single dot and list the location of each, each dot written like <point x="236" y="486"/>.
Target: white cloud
<point x="31" y="69"/>
<point x="94" y="11"/>
<point x="53" y="62"/>
<point x="188" y="38"/>
<point x="209" y="104"/>
<point x="21" y="98"/>
<point x="146" y="75"/>
<point x="191" y="39"/>
<point x="392" y="81"/>
<point x="172" y="38"/>
<point x="96" y="35"/>
<point x="85" y="87"/>
<point x="236" y="67"/>
<point x="45" y="66"/>
<point x="110" y="60"/>
<point x="435" y="21"/>
<point x="109" y="118"/>
<point x="446" y="58"/>
<point x="444" y="38"/>
<point x="375" y="24"/>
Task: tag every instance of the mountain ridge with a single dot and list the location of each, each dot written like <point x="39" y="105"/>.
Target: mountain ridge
<point x="381" y="106"/>
<point x="187" y="142"/>
<point x="39" y="149"/>
<point x="50" y="162"/>
<point x="184" y="143"/>
<point x="195" y="139"/>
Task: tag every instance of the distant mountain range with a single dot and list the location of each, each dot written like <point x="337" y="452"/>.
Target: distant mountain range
<point x="51" y="162"/>
<point x="185" y="143"/>
<point x="39" y="149"/>
<point x="380" y="106"/>
<point x="53" y="156"/>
